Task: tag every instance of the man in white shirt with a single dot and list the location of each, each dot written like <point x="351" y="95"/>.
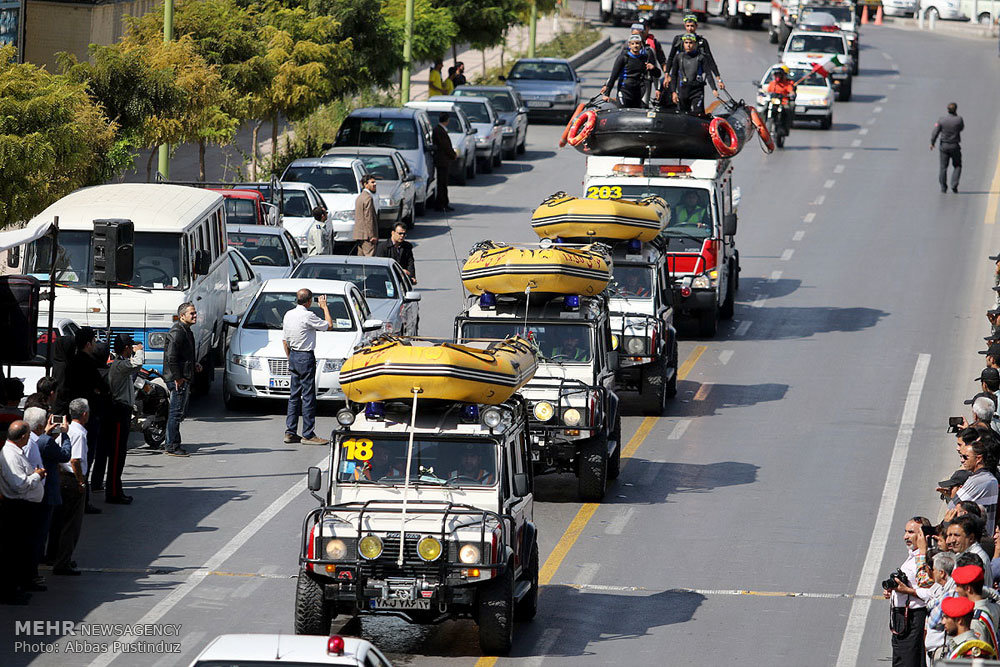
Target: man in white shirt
<point x="299" y="329"/>
<point x="65" y="529"/>
<point x="908" y="613"/>
<point x="22" y="486"/>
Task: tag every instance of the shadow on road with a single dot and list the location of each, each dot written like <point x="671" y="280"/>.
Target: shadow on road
<point x="785" y="322"/>
<point x="696" y="400"/>
<point x="866" y="97"/>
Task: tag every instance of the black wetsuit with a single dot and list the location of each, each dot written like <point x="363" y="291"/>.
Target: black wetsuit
<point x="630" y="73"/>
<point x="688" y="76"/>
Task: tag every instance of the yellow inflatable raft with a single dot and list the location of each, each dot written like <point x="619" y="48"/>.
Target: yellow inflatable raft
<point x="390" y="368"/>
<point x="568" y="217"/>
<point x="503" y="269"/>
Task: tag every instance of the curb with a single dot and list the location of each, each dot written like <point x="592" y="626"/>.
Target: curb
<point x="590" y="52"/>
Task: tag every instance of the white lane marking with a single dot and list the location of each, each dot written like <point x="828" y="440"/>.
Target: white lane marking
<point x="855" y="143"/>
<point x="725" y="356"/>
<point x="759" y="302"/>
<point x="877" y="110"/>
<point x="797" y="236"/>
<point x="542" y="648"/>
<point x="891" y="86"/>
<point x="787" y="254"/>
<point x="617" y="525"/>
<point x="858" y="616"/>
<point x="886" y="56"/>
<point x="161" y="608"/>
<point x="819" y="200"/>
<point x="829" y="184"/>
<point x="679" y="428"/>
<point x="863" y="130"/>
<point x="809" y="217"/>
<point x="586" y="574"/>
<point x="743" y="328"/>
<point x="775" y="276"/>
<point x="847" y="156"/>
<point x="839" y="169"/>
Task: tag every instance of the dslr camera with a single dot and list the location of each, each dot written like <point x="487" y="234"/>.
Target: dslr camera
<point x="895" y="579"/>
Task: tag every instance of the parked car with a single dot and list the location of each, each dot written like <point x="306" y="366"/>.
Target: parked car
<point x="243" y="283"/>
<point x="407" y="130"/>
<point x="549" y="86"/>
<point x="271" y="251"/>
<point x="461" y="133"/>
<point x="295" y="650"/>
<point x="487" y="124"/>
<point x="338" y="180"/>
<point x="395" y="188"/>
<point x="256" y="363"/>
<point x="298" y="199"/>
<point x="510" y="106"/>
<point x="942" y="9"/>
<point x="245" y="207"/>
<point x="383" y="283"/>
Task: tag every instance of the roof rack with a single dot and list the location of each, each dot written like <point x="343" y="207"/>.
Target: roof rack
<point x="274" y="187"/>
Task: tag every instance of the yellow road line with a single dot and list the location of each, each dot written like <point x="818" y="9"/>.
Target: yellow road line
<point x="587" y="510"/>
<point x="994" y="196"/>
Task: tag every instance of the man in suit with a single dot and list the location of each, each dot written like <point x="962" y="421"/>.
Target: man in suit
<point x="443" y="156"/>
<point x="399" y="249"/>
<point x="366" y="218"/>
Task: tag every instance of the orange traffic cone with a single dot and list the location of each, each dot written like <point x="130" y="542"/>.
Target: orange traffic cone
<point x="878" y="16"/>
<point x="864" y="15"/>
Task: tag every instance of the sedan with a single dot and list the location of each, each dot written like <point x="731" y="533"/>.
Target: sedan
<point x="297" y="203"/>
<point x="813" y="95"/>
<point x="549" y="86"/>
<point x="385" y="286"/>
<point x="243" y="283"/>
<point x="271" y="251"/>
<point x="511" y="108"/>
<point x="338" y="180"/>
<point x="487" y="124"/>
<point x="256" y="363"/>
<point x="396" y="183"/>
<point x="461" y="133"/>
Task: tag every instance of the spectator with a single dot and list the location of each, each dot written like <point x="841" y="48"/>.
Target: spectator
<point x="983" y="415"/>
<point x="22" y="486"/>
<point x="435" y="86"/>
<point x="52" y="447"/>
<point x="992" y="355"/>
<point x="366" y="218"/>
<point x="969" y="584"/>
<point x="121" y="376"/>
<point x="990" y="379"/>
<point x="460" y="79"/>
<point x="73" y="486"/>
<point x="44" y="396"/>
<point x="319" y="240"/>
<point x="449" y="83"/>
<point x="398" y="248"/>
<point x="11" y="393"/>
<point x="63" y="352"/>
<point x="962" y="535"/>
<point x="178" y="372"/>
<point x="299" y="338"/>
<point x="83" y="376"/>
<point x="948" y="487"/>
<point x="943" y="586"/>
<point x="957" y="622"/>
<point x="444" y="155"/>
<point x="981" y="486"/>
<point x="908" y="613"/>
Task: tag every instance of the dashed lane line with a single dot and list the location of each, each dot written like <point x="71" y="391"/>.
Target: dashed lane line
<point x="541" y="648"/>
<point x="787" y="254"/>
<point x="863" y="130"/>
<point x="877" y="110"/>
<point x="829" y="183"/>
<point x="819" y="200"/>
<point x="759" y="302"/>
<point x="680" y="428"/>
<point x="618" y="523"/>
<point x="839" y="169"/>
<point x="797" y="236"/>
<point x="855" y="143"/>
<point x="808" y="217"/>
<point x="725" y="356"/>
<point x="743" y="328"/>
<point x="775" y="276"/>
<point x="847" y="156"/>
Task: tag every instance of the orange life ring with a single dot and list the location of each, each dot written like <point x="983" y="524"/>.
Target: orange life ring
<point x="562" y="139"/>
<point x="762" y="130"/>
<point x="716" y="128"/>
<point x="581" y="127"/>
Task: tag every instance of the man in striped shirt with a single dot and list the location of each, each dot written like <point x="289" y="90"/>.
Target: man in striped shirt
<point x="981" y="487"/>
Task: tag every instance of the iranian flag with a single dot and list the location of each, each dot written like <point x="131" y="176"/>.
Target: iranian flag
<point x="826" y="68"/>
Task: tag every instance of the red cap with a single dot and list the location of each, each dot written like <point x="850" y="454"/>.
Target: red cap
<point x="957" y="607"/>
<point x="967" y="574"/>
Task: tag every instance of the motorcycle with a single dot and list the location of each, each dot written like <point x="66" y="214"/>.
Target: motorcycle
<point x="775" y="120"/>
<point x="152" y="406"/>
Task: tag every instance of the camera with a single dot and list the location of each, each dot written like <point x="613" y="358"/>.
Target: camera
<point x="954" y="424"/>
<point x="895" y="579"/>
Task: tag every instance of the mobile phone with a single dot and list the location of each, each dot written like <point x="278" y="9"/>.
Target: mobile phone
<point x="954" y="421"/>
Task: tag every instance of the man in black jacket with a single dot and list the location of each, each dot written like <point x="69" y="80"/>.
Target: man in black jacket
<point x="444" y="154"/>
<point x="688" y="76"/>
<point x="949" y="129"/>
<point x="631" y="71"/>
<point x="179" y="367"/>
<point x="399" y="249"/>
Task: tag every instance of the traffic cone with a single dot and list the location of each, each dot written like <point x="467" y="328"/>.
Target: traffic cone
<point x="864" y="15"/>
<point x="878" y="16"/>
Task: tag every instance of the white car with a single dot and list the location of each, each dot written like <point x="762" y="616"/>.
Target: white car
<point x="256" y="364"/>
<point x="461" y="133"/>
<point x="338" y="180"/>
<point x="297" y="650"/>
<point x="813" y="95"/>
<point x="902" y="7"/>
<point x="806" y="48"/>
<point x="394" y="182"/>
<point x="386" y="288"/>
<point x="271" y="251"/>
<point x="297" y="203"/>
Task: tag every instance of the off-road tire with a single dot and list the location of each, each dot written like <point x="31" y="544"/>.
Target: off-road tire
<point x="708" y="323"/>
<point x="592" y="469"/>
<point x="728" y="308"/>
<point x="313" y="614"/>
<point x="670" y="389"/>
<point x="528" y="606"/>
<point x="653" y="395"/>
<point x="495" y="614"/>
<point x="615" y="461"/>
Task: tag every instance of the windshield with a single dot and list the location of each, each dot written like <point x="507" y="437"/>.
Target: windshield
<point x="268" y="311"/>
<point x="811" y="14"/>
<point x="381" y="167"/>
<point x="476" y="112"/>
<point x="295" y="204"/>
<point x="632" y="281"/>
<point x="260" y="249"/>
<point x="398" y="133"/>
<point x="556" y="342"/>
<point x="816" y="44"/>
<point x="436" y="462"/>
<point x="690" y="213"/>
<point x="374" y="281"/>
<point x="804" y="77"/>
<point x="241" y="212"/>
<point x="542" y="71"/>
<point x="324" y="179"/>
<point x="454" y="123"/>
<point x="157" y="263"/>
<point x="501" y="99"/>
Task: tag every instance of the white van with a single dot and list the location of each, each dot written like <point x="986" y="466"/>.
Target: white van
<point x="180" y="255"/>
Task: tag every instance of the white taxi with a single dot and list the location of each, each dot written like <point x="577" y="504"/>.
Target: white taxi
<point x="297" y="650"/>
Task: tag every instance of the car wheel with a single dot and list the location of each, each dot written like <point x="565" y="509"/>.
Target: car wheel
<point x="462" y="177"/>
<point x="231" y="402"/>
<point x="470" y="169"/>
<point x="592" y="472"/>
<point x="523" y="146"/>
<point x="933" y="13"/>
<point x="826" y="122"/>
<point x="313" y="614"/>
<point x="486" y="166"/>
<point x="845" y="91"/>
<point x="510" y="153"/>
<point x="495" y="613"/>
<point x="498" y="157"/>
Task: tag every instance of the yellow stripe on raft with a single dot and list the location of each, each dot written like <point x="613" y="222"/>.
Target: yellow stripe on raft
<point x="478" y="372"/>
<point x="563" y="216"/>
<point x="502" y="269"/>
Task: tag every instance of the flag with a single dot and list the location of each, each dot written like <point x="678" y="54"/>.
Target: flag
<point x="825" y="69"/>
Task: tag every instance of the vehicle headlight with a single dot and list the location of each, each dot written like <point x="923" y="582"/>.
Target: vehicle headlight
<point x="343" y="215"/>
<point x="701" y="282"/>
<point x="566" y="97"/>
<point x="749" y="7"/>
<point x="482" y="140"/>
<point x="507" y="129"/>
<point x="301" y="239"/>
<point x="246" y="361"/>
<point x="469" y="553"/>
<point x="335" y="549"/>
<point x="370" y="547"/>
<point x="572" y="417"/>
<point x="635" y="345"/>
<point x="158" y="340"/>
<point x="387" y="201"/>
<point x="332" y="365"/>
<point x="429" y="549"/>
<point x="543" y="411"/>
<point x="614" y="341"/>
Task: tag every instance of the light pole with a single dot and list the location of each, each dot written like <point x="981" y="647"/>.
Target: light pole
<point x="404" y="88"/>
<point x="533" y="28"/>
<point x="163" y="164"/>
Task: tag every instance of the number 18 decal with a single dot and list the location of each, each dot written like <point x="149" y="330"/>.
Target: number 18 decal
<point x="357" y="449"/>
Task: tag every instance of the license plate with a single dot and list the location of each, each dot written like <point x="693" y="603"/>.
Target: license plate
<point x="396" y="603"/>
<point x="280" y="383"/>
<point x="645" y="7"/>
<point x="799" y="109"/>
<point x="539" y="104"/>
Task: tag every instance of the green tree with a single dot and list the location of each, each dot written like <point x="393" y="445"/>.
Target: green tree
<point x="378" y="55"/>
<point x="434" y="28"/>
<point x="53" y="138"/>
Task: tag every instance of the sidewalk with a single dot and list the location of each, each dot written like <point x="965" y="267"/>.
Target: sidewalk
<point x="965" y="29"/>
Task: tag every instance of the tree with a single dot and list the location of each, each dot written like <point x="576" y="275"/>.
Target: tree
<point x="483" y="23"/>
<point x="53" y="138"/>
<point x="378" y="55"/>
<point x="434" y="28"/>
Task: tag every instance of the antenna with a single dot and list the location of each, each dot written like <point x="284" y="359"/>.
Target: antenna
<point x="527" y="304"/>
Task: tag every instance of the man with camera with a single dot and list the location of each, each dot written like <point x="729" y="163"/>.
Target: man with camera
<point x="907" y="613"/>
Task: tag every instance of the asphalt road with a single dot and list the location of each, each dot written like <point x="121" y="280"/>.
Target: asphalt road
<point x="744" y="518"/>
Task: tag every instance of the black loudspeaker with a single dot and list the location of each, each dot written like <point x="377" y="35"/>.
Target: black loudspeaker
<point x="113" y="246"/>
<point x="18" y="318"/>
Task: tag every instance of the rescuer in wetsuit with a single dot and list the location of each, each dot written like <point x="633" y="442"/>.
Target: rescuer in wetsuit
<point x="630" y="71"/>
<point x="688" y="76"/>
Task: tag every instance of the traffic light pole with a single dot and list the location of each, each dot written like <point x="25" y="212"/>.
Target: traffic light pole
<point x="163" y="164"/>
<point x="404" y="88"/>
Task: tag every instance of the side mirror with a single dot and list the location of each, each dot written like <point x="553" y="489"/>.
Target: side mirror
<point x="270" y="214"/>
<point x="409" y="178"/>
<point x="202" y="262"/>
<point x="315" y="478"/>
<point x="411" y="296"/>
<point x="613" y="360"/>
<point x="502" y="77"/>
<point x="756" y="84"/>
<point x="500" y="121"/>
<point x="729" y="224"/>
<point x="14" y="256"/>
<point x="522" y="109"/>
<point x="372" y="325"/>
<point x="230" y="320"/>
<point x="472" y="130"/>
<point x="520" y="484"/>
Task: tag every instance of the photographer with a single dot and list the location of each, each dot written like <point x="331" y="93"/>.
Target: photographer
<point x="947" y="487"/>
<point x="983" y="415"/>
<point x="908" y="612"/>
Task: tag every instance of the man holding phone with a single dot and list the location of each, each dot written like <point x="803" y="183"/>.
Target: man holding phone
<point x="299" y="328"/>
<point x="65" y="530"/>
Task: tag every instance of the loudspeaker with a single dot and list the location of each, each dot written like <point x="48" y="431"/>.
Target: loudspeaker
<point x="18" y="318"/>
<point x="113" y="246"/>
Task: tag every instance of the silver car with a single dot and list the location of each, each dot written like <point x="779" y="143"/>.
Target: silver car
<point x="510" y="106"/>
<point x="271" y="251"/>
<point x="549" y="86"/>
<point x="461" y="133"/>
<point x="383" y="283"/>
<point x="396" y="189"/>
<point x="488" y="126"/>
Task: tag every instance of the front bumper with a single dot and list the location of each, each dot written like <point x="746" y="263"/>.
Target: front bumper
<point x="548" y="106"/>
<point x="699" y="300"/>
<point x="484" y="151"/>
<point x="260" y="383"/>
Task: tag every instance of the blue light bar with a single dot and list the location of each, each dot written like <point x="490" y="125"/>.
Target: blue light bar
<point x="375" y="410"/>
<point x="572" y="302"/>
<point x="470" y="412"/>
<point x="635" y="245"/>
<point x="487" y="300"/>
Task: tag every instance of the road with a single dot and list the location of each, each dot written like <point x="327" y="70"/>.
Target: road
<point x="752" y="522"/>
